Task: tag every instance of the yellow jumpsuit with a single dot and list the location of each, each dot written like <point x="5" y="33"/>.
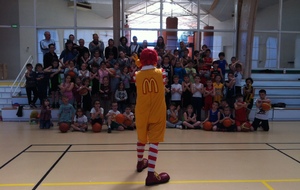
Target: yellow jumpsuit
<point x="150" y="110"/>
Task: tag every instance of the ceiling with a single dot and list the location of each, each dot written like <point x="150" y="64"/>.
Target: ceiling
<point x="145" y="11"/>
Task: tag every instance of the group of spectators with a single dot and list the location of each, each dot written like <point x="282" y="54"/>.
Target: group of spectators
<point x="85" y="74"/>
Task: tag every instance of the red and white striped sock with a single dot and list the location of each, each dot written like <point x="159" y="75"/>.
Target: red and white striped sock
<point x="153" y="150"/>
<point x="140" y="151"/>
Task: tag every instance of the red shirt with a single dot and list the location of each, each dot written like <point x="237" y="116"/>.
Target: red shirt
<point x="241" y="114"/>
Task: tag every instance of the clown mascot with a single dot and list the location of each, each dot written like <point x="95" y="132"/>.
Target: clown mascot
<point x="150" y="114"/>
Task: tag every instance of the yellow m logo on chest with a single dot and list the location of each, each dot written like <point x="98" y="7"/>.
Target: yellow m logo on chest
<point x="149" y="85"/>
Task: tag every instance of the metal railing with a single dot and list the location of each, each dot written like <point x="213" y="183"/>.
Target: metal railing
<point x="20" y="79"/>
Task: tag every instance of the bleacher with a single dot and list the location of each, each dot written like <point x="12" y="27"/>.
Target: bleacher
<point x="283" y="88"/>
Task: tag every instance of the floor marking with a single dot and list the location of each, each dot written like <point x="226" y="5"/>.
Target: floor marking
<point x="279" y="150"/>
<point x="168" y="143"/>
<point x="265" y="182"/>
<point x="15" y="157"/>
<point x="267" y="185"/>
<point x="46" y="174"/>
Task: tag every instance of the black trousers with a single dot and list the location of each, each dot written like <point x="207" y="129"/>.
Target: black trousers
<point x="33" y="90"/>
<point x="260" y="122"/>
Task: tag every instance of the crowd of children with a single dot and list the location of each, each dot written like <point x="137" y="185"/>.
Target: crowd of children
<point x="193" y="84"/>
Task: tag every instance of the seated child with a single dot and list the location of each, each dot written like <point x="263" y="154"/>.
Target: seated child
<point x="97" y="113"/>
<point x="80" y="121"/>
<point x="213" y="115"/>
<point x="223" y="105"/>
<point x="240" y="112"/>
<point x="66" y="111"/>
<point x="190" y="121"/>
<point x="172" y="117"/>
<point x="45" y="115"/>
<point x="129" y="123"/>
<point x="111" y="121"/>
<point x="226" y="115"/>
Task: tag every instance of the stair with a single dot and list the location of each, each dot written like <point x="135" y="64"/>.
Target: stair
<point x="5" y="96"/>
<point x="280" y="88"/>
<point x="9" y="114"/>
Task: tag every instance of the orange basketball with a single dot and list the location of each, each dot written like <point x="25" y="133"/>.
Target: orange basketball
<point x="207" y="126"/>
<point x="97" y="127"/>
<point x="127" y="122"/>
<point x="246" y="126"/>
<point x="72" y="74"/>
<point x="112" y="71"/>
<point x="64" y="127"/>
<point x="227" y="122"/>
<point x="83" y="91"/>
<point x="173" y="119"/>
<point x="120" y="118"/>
<point x="265" y="106"/>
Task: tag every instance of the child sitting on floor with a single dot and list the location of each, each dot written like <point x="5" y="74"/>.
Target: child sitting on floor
<point x="80" y="121"/>
<point x="190" y="119"/>
<point x="213" y="116"/>
<point x="172" y="117"/>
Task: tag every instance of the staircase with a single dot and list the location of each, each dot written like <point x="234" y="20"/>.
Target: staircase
<point x="280" y="88"/>
<point x="5" y="94"/>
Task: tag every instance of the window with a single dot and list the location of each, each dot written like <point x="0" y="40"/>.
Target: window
<point x="271" y="55"/>
<point x="255" y="52"/>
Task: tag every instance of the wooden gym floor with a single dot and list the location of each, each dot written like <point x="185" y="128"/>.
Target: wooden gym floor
<point x="31" y="158"/>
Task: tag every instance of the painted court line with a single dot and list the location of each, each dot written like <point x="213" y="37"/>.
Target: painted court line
<point x="264" y="182"/>
<point x="267" y="185"/>
<point x="280" y="150"/>
<point x="15" y="157"/>
<point x="46" y="174"/>
<point x="172" y="143"/>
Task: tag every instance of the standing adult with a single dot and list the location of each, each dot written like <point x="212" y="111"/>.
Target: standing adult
<point x="68" y="54"/>
<point x="135" y="47"/>
<point x="111" y="48"/>
<point x="44" y="44"/>
<point x="160" y="44"/>
<point x="123" y="47"/>
<point x="96" y="44"/>
<point x="144" y="45"/>
<point x="72" y="38"/>
<point x="81" y="49"/>
<point x="50" y="56"/>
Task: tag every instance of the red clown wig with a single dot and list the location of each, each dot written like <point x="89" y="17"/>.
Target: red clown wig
<point x="148" y="57"/>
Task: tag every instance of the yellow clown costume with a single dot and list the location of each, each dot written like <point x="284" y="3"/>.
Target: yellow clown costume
<point x="150" y="112"/>
<point x="150" y="104"/>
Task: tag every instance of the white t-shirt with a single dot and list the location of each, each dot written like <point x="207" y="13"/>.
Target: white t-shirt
<point x="84" y="74"/>
<point x="130" y="115"/>
<point x="261" y="114"/>
<point x="176" y="96"/>
<point x="93" y="110"/>
<point x="197" y="94"/>
<point x="80" y="120"/>
<point x="112" y="112"/>
<point x="238" y="79"/>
